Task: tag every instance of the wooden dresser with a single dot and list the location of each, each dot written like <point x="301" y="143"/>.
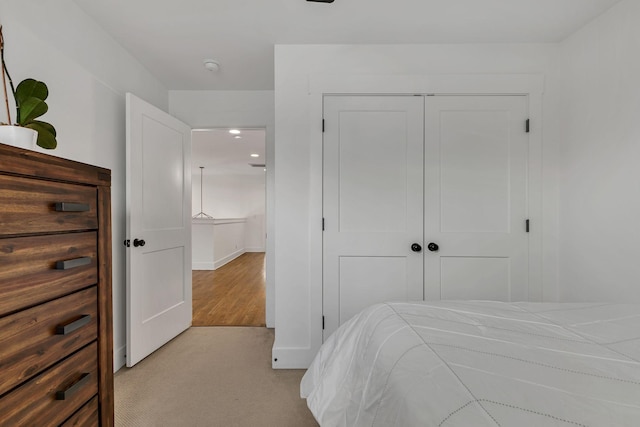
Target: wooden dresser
<point x="56" y="351"/>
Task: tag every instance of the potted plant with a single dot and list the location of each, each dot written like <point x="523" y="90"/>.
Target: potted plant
<point x="29" y="97"/>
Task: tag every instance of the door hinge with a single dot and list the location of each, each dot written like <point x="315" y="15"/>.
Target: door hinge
<point x="527" y="126"/>
<point x="322" y="125"/>
<point x="322" y="224"/>
<point x="323" y="323"/>
<point x="527" y="225"/>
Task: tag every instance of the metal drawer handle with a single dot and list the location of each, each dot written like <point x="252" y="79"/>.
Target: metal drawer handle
<point x="72" y="326"/>
<point x="72" y="207"/>
<point x="65" y="394"/>
<point x="73" y="263"/>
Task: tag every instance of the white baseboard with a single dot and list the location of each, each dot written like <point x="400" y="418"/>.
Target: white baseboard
<point x="203" y="266"/>
<point x="119" y="358"/>
<point x="219" y="263"/>
<point x="291" y="358"/>
<point x="254" y="249"/>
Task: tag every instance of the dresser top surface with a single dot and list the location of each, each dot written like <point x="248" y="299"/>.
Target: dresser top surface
<point x="20" y="161"/>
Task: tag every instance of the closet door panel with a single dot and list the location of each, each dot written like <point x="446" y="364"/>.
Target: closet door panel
<point x="373" y="201"/>
<point x="476" y="197"/>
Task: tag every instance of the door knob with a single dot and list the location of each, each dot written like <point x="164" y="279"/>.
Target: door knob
<point x="433" y="247"/>
<point x="137" y="242"/>
<point x="416" y="247"/>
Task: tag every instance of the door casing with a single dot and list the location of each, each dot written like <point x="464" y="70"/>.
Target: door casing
<point x="531" y="85"/>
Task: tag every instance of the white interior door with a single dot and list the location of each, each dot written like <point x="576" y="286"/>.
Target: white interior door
<point x="476" y="198"/>
<point x="372" y="203"/>
<point x="159" y="303"/>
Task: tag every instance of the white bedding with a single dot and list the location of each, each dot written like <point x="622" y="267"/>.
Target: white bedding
<point x="478" y="363"/>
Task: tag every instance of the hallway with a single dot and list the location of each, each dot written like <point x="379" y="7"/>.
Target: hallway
<point x="232" y="295"/>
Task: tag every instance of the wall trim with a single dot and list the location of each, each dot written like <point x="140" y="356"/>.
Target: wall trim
<point x="203" y="265"/>
<point x="292" y="357"/>
<point x="219" y="263"/>
<point x="531" y="85"/>
<point x="256" y="249"/>
<point x="439" y="84"/>
<point x="119" y="358"/>
<point x="222" y="221"/>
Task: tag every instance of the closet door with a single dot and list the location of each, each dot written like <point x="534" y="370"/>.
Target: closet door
<point x="373" y="203"/>
<point x="476" y="198"/>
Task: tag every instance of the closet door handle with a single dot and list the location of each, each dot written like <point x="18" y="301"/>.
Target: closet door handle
<point x="433" y="247"/>
<point x="137" y="242"/>
<point x="416" y="247"/>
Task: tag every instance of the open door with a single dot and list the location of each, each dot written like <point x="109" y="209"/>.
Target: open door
<point x="159" y="303"/>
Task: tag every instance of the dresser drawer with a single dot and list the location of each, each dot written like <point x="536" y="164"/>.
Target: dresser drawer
<point x="29" y="206"/>
<point x="86" y="416"/>
<point x="40" y="268"/>
<point x="53" y="396"/>
<point x="34" y="339"/>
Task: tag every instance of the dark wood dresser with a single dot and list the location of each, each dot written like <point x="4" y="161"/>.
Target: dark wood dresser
<point x="56" y="350"/>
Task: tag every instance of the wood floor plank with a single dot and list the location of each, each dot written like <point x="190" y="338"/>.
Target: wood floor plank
<point x="233" y="295"/>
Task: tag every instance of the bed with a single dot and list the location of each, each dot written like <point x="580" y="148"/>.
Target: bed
<point x="480" y="363"/>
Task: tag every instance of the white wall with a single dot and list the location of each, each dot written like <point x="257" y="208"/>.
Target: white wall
<point x="599" y="159"/>
<point x="88" y="74"/>
<point x="234" y="196"/>
<point x="242" y="109"/>
<point x="296" y="179"/>
<point x="229" y="236"/>
<point x="228" y="196"/>
<point x="216" y="242"/>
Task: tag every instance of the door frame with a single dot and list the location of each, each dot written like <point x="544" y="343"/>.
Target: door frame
<point x="530" y="85"/>
<point x="269" y="221"/>
<point x="270" y="298"/>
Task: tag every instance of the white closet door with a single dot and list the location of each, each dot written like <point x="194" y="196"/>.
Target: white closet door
<point x="373" y="201"/>
<point x="476" y="198"/>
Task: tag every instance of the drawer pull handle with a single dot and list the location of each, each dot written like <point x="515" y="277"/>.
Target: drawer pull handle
<point x="65" y="394"/>
<point x="72" y="207"/>
<point x="72" y="326"/>
<point x="73" y="263"/>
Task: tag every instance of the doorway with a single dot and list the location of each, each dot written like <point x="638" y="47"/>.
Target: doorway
<point x="228" y="226"/>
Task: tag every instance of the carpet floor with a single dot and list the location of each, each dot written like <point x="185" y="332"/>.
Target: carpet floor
<point x="209" y="377"/>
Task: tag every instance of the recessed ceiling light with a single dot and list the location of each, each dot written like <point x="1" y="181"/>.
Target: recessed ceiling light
<point x="255" y="155"/>
<point x="234" y="131"/>
<point x="237" y="137"/>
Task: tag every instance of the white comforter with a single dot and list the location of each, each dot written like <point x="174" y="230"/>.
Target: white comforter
<point x="476" y="364"/>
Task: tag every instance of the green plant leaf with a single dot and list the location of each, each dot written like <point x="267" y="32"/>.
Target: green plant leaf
<point x="37" y="124"/>
<point x="30" y="88"/>
<point x="30" y="109"/>
<point x="46" y="139"/>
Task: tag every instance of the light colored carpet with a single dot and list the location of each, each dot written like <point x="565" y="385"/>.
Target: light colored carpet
<point x="209" y="377"/>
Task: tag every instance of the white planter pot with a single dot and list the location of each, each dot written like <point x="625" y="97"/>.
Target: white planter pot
<point x="18" y="136"/>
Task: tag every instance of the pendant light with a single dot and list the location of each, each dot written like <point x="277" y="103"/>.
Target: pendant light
<point x="201" y="215"/>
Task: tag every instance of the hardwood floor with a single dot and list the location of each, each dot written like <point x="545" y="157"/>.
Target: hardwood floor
<point x="233" y="295"/>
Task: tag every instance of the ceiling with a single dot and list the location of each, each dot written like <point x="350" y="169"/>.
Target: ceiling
<point x="222" y="154"/>
<point x="172" y="37"/>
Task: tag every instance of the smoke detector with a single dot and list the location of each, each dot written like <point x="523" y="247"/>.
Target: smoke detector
<point x="211" y="65"/>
